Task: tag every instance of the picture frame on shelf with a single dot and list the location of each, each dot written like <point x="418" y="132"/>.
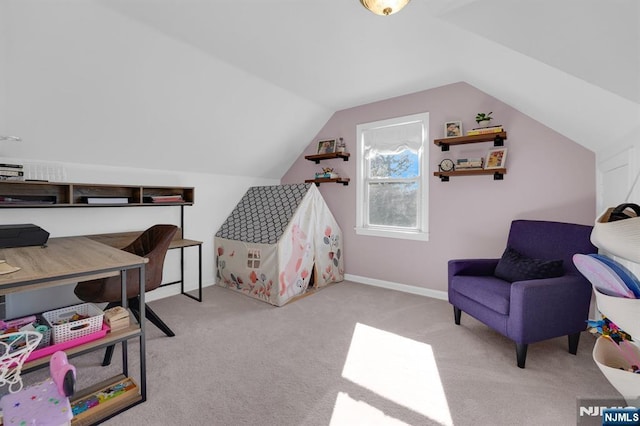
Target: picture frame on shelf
<point x="327" y="146"/>
<point x="496" y="158"/>
<point x="453" y="129"/>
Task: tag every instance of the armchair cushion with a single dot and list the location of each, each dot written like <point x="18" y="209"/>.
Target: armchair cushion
<point x="515" y="266"/>
<point x="489" y="291"/>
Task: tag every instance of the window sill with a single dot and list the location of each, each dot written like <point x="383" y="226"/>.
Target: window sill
<point x="386" y="233"/>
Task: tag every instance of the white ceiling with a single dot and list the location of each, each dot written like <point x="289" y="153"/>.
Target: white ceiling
<point x="337" y="54"/>
<point x="573" y="65"/>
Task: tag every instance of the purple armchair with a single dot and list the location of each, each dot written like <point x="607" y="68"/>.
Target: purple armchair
<point x="530" y="310"/>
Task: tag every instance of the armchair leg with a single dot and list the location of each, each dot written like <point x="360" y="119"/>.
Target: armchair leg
<point x="457" y="313"/>
<point x="573" y="343"/>
<point x="521" y="353"/>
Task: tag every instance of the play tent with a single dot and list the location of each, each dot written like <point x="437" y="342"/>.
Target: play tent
<point x="275" y="240"/>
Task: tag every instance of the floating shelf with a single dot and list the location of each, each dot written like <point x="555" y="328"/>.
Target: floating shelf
<point x="317" y="157"/>
<point x="497" y="139"/>
<point x="498" y="174"/>
<point x="344" y="181"/>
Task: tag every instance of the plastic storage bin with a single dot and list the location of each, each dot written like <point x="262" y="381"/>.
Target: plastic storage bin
<point x="63" y="329"/>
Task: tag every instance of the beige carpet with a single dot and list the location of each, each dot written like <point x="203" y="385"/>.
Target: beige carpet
<point x="350" y="354"/>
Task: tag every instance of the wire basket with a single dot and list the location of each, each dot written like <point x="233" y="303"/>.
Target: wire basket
<point x="65" y="329"/>
<point x="15" y="348"/>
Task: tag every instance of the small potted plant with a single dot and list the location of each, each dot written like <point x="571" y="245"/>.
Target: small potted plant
<point x="483" y="119"/>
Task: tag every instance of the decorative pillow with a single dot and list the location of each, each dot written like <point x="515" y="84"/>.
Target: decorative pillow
<point x="515" y="266"/>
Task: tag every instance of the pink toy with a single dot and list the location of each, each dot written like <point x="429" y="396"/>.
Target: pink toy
<point x="45" y="403"/>
<point x="62" y="373"/>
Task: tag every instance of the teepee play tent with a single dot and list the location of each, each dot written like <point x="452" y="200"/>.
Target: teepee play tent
<point x="276" y="240"/>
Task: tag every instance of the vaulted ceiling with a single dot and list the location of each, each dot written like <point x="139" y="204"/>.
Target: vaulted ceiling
<point x="573" y="65"/>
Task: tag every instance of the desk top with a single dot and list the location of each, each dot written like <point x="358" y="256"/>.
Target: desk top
<point x="122" y="239"/>
<point x="63" y="261"/>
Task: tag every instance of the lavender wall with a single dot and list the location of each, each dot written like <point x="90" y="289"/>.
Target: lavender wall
<point x="548" y="177"/>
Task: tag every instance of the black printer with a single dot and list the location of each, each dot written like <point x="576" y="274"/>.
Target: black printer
<point x="22" y="235"/>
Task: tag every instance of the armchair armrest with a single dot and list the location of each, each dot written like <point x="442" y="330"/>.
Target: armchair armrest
<point x="546" y="308"/>
<point x="477" y="267"/>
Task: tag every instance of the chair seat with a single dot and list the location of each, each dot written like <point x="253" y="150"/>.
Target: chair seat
<point x="489" y="291"/>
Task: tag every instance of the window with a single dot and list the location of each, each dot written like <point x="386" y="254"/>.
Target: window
<point x="392" y="185"/>
<point x="253" y="258"/>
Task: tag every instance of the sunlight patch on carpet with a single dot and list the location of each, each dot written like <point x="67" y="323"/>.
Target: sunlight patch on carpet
<point x="399" y="369"/>
<point x="348" y="411"/>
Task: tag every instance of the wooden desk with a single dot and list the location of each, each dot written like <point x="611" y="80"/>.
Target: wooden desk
<point x="120" y="240"/>
<point x="72" y="259"/>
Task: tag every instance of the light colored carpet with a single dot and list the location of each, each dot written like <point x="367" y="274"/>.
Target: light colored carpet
<point x="350" y="354"/>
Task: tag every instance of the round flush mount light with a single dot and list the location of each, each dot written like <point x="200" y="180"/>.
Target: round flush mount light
<point x="384" y="7"/>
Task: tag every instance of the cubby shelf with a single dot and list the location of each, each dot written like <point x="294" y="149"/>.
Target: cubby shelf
<point x="21" y="194"/>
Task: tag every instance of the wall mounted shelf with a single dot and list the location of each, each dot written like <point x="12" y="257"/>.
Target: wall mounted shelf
<point x="498" y="174"/>
<point x="497" y="138"/>
<point x="317" y="157"/>
<point x="21" y="194"/>
<point x="344" y="181"/>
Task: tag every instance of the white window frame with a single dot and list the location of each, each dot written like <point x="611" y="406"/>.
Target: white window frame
<point x="362" y="205"/>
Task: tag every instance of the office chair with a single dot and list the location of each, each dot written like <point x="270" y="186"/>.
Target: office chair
<point x="152" y="244"/>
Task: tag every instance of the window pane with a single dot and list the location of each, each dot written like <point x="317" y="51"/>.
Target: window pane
<point x="402" y="165"/>
<point x="393" y="204"/>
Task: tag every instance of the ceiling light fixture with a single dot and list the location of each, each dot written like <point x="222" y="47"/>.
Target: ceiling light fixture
<point x="384" y="7"/>
<point x="10" y="138"/>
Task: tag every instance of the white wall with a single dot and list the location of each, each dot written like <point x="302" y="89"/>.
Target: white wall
<point x="3" y="67"/>
<point x="88" y="85"/>
<point x="215" y="197"/>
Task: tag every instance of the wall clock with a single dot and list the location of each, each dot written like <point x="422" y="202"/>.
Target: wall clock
<point x="446" y="165"/>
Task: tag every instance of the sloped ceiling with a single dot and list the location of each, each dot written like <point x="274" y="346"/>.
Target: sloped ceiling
<point x="568" y="64"/>
<point x="271" y="72"/>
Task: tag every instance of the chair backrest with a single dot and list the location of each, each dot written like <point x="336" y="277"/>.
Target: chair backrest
<point x="547" y="240"/>
<point x="152" y="244"/>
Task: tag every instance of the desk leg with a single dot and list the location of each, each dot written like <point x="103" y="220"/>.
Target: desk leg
<point x="199" y="272"/>
<point x="182" y="270"/>
<point x="125" y="351"/>
<point x="199" y="298"/>
<point x="143" y="350"/>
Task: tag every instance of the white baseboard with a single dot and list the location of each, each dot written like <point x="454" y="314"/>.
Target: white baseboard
<point x="421" y="291"/>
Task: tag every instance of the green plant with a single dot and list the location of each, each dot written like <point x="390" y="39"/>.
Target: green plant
<point x="481" y="116"/>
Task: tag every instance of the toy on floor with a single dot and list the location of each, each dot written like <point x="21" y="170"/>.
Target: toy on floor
<point x="45" y="403"/>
